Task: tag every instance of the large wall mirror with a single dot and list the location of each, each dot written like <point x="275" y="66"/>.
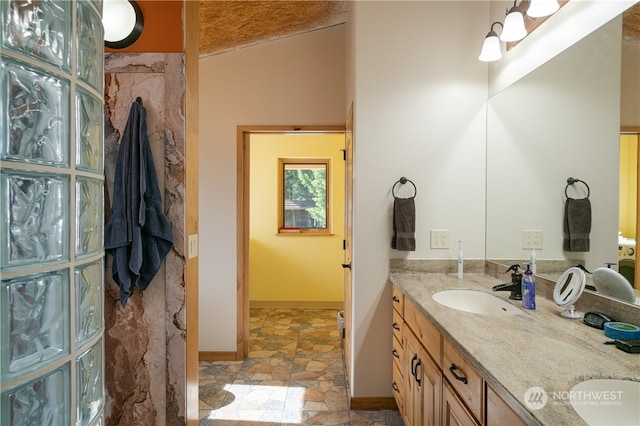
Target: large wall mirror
<point x="565" y="119"/>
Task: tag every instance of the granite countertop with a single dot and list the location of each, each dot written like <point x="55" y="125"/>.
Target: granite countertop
<point x="538" y="348"/>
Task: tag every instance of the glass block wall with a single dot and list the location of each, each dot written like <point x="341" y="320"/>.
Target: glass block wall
<point x="51" y="212"/>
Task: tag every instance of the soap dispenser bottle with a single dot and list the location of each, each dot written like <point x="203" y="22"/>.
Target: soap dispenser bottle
<point x="528" y="289"/>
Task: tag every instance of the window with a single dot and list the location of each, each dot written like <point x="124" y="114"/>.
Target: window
<point x="303" y="201"/>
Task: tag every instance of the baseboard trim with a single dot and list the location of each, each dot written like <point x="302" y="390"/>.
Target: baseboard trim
<point x="217" y="356"/>
<point x="295" y="304"/>
<point x="373" y="403"/>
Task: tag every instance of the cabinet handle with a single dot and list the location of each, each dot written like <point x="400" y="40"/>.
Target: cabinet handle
<point x="418" y="381"/>
<point x="413" y="367"/>
<point x="395" y="299"/>
<point x="453" y="370"/>
<point x="395" y="387"/>
<point x="395" y="353"/>
<point x="395" y="326"/>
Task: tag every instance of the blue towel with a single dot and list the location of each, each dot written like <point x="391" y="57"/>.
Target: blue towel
<point x="138" y="236"/>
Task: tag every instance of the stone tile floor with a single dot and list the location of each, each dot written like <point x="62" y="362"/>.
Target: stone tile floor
<point x="294" y="374"/>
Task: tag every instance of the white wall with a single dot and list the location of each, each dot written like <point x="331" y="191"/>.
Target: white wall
<point x="419" y="96"/>
<point x="294" y="81"/>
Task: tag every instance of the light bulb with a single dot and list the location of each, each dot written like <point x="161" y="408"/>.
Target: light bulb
<point x="119" y="19"/>
<point x="491" y="50"/>
<point x="514" y="29"/>
<point x="540" y="8"/>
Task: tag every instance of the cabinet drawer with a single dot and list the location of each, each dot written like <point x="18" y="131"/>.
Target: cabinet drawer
<point x="398" y="353"/>
<point x="398" y="326"/>
<point x="398" y="386"/>
<point x="464" y="379"/>
<point x="426" y="333"/>
<point x="398" y="300"/>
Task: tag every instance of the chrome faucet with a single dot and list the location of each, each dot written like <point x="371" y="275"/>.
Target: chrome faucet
<point x="515" y="286"/>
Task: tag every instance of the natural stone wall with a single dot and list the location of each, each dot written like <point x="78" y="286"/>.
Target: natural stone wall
<point x="145" y="341"/>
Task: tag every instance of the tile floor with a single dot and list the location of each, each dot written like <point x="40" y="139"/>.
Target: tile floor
<point x="294" y="374"/>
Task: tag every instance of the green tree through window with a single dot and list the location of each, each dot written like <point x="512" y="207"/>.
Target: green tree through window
<point x="304" y="186"/>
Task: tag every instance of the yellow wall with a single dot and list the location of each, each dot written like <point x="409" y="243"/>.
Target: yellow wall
<point x="293" y="268"/>
<point x="628" y="184"/>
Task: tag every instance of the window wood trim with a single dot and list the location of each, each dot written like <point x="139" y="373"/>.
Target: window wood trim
<point x="280" y="230"/>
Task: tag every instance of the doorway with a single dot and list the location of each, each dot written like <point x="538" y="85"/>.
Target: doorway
<point x="273" y="289"/>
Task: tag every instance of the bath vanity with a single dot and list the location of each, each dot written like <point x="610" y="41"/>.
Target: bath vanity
<point x="457" y="367"/>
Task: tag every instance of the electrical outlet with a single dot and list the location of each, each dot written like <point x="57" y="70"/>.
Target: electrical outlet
<point x="192" y="249"/>
<point x="439" y="238"/>
<point x="532" y="239"/>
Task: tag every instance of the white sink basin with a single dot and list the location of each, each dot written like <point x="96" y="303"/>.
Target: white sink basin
<point x="476" y="302"/>
<point x="607" y="401"/>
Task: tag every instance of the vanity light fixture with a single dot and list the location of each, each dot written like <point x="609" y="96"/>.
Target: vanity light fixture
<point x="491" y="50"/>
<point x="541" y="8"/>
<point x="513" y="29"/>
<point x="123" y="23"/>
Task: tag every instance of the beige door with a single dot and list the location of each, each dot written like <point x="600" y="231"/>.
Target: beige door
<point x="348" y="231"/>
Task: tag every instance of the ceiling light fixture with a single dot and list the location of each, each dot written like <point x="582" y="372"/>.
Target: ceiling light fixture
<point x="541" y="8"/>
<point x="513" y="29"/>
<point x="123" y="23"/>
<point x="491" y="50"/>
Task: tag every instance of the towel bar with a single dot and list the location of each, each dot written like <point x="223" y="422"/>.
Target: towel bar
<point x="571" y="181"/>
<point x="403" y="180"/>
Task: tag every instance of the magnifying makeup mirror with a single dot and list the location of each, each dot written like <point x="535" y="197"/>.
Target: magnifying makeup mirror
<point x="568" y="290"/>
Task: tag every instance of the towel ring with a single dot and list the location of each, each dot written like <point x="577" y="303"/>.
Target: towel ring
<point x="403" y="180"/>
<point x="571" y="181"/>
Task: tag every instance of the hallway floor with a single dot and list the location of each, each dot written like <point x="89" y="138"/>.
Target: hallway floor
<point x="294" y="375"/>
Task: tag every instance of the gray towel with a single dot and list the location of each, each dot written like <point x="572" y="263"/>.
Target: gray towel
<point x="139" y="235"/>
<point x="404" y="224"/>
<point x="577" y="224"/>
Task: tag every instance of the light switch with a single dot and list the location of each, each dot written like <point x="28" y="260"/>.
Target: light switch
<point x="193" y="246"/>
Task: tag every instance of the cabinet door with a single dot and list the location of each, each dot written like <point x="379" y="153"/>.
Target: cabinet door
<point x="454" y="412"/>
<point x="423" y="384"/>
<point x="431" y="384"/>
<point x="413" y="395"/>
<point x="499" y="413"/>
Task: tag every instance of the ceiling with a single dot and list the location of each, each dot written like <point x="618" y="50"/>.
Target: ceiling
<point x="631" y="24"/>
<point x="226" y="25"/>
<point x="229" y="25"/>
